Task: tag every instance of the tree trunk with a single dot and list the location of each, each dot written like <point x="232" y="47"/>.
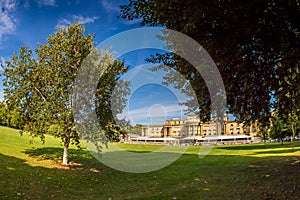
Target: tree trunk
<point x="65" y="154"/>
<point x="293" y="131"/>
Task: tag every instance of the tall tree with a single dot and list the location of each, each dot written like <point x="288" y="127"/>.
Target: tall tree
<point x="40" y="83"/>
<point x="255" y="45"/>
<point x="3" y="114"/>
<point x="279" y="128"/>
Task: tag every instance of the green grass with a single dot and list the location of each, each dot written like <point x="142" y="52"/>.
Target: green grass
<point x="257" y="171"/>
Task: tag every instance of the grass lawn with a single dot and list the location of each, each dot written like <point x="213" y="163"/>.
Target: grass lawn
<point x="30" y="170"/>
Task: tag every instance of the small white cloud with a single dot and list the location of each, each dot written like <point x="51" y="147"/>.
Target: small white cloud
<point x="76" y="18"/>
<point x="131" y="22"/>
<point x="109" y="7"/>
<point x="7" y="17"/>
<point x="1" y="95"/>
<point x="86" y="20"/>
<point x="154" y="114"/>
<point x="2" y="61"/>
<point x="42" y="3"/>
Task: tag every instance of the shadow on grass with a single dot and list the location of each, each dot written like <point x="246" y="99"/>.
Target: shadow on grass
<point x="215" y="177"/>
<point x="55" y="154"/>
<point x="258" y="146"/>
<point x="19" y="180"/>
<point x="281" y="151"/>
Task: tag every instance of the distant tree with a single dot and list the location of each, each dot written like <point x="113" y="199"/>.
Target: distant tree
<point x="293" y="123"/>
<point x="255" y="45"/>
<point x="39" y="84"/>
<point x="136" y="129"/>
<point x="11" y="118"/>
<point x="279" y="128"/>
<point x="3" y="114"/>
<point x="263" y="131"/>
<point x="15" y="119"/>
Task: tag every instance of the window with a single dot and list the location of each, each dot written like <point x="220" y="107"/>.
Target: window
<point x="204" y="132"/>
<point x="209" y="132"/>
<point x="214" y="132"/>
<point x="174" y="133"/>
<point x="238" y="130"/>
<point x="231" y="131"/>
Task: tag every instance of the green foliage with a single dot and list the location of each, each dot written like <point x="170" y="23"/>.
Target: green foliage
<point x="112" y="132"/>
<point x="39" y="84"/>
<point x="11" y="118"/>
<point x="136" y="129"/>
<point x="15" y="119"/>
<point x="255" y="45"/>
<point x="283" y="127"/>
<point x="263" y="132"/>
<point x="110" y="98"/>
<point x="3" y="114"/>
<point x="40" y="87"/>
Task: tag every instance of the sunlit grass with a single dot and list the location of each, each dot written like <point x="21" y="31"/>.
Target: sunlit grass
<point x="13" y="143"/>
<point x="255" y="171"/>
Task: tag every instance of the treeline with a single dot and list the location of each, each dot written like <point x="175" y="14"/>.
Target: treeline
<point x="13" y="119"/>
<point x="10" y="118"/>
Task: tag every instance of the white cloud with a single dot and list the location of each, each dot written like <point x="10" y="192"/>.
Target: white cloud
<point x="154" y="114"/>
<point x="131" y="22"/>
<point x="1" y="96"/>
<point x="45" y="3"/>
<point x="2" y="62"/>
<point x="78" y="18"/>
<point x="109" y="7"/>
<point x="158" y="110"/>
<point x="7" y="17"/>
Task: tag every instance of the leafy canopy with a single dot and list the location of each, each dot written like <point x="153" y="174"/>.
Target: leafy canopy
<point x="255" y="45"/>
<point x="39" y="84"/>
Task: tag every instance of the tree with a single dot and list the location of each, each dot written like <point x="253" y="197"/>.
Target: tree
<point x="263" y="132"/>
<point x="39" y="84"/>
<point x="15" y="119"/>
<point x="129" y="129"/>
<point x="255" y="45"/>
<point x="3" y="114"/>
<point x="10" y="118"/>
<point x="279" y="129"/>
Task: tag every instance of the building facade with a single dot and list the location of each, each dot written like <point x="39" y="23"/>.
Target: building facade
<point x="152" y="131"/>
<point x="193" y="127"/>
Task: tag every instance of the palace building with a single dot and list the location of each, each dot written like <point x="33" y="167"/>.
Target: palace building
<point x="193" y="129"/>
<point x="152" y="130"/>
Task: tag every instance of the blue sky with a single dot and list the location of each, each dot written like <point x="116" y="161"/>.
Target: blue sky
<point x="28" y="22"/>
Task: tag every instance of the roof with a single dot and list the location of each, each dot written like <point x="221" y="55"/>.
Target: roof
<point x="193" y="138"/>
<point x="226" y="137"/>
<point x="146" y="138"/>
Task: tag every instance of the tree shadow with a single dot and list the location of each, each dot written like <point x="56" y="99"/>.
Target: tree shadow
<point x="229" y="177"/>
<point x="257" y="146"/>
<point x="55" y="154"/>
<point x="281" y="151"/>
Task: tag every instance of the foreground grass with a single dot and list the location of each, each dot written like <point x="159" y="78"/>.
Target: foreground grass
<point x="31" y="171"/>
